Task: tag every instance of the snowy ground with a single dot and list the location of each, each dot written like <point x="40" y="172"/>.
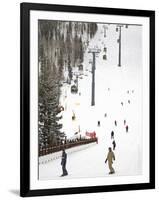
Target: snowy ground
<point x="90" y="162"/>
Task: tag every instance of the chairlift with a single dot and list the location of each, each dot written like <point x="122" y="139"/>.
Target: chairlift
<point x="104" y="57"/>
<point x="105" y="49"/>
<point x="74" y="89"/>
<point x="80" y="67"/>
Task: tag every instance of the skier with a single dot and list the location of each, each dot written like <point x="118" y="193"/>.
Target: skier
<point x="98" y="123"/>
<point x="127" y="128"/>
<point x="63" y="163"/>
<point x="115" y="122"/>
<point x="73" y="116"/>
<point x="122" y="103"/>
<point x="110" y="158"/>
<point x="129" y="101"/>
<point x="114" y="144"/>
<point x="124" y="121"/>
<point x="112" y="135"/>
<point x="105" y="115"/>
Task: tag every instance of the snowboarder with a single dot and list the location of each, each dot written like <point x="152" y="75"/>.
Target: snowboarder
<point x="110" y="158"/>
<point x="112" y="135"/>
<point x="73" y="116"/>
<point x="63" y="163"/>
<point x="98" y="123"/>
<point x="115" y="122"/>
<point x="114" y="144"/>
<point x="127" y="128"/>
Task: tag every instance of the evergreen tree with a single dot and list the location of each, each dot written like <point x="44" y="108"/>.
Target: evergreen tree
<point x="81" y="51"/>
<point x="49" y="126"/>
<point x="76" y="48"/>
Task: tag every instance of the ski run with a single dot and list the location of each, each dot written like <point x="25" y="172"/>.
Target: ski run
<point x="118" y="96"/>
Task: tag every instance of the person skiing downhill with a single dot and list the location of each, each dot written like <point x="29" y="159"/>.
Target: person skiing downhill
<point x="127" y="128"/>
<point x="110" y="158"/>
<point x="114" y="144"/>
<point x="112" y="135"/>
<point x="124" y="121"/>
<point x="98" y="123"/>
<point x="115" y="122"/>
<point x="63" y="163"/>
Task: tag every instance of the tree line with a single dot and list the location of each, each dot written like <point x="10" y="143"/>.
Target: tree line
<point x="61" y="47"/>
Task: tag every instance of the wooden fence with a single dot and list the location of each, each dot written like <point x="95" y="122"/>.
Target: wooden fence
<point x="67" y="145"/>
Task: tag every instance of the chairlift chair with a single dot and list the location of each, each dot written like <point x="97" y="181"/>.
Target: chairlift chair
<point x="74" y="89"/>
<point x="104" y="57"/>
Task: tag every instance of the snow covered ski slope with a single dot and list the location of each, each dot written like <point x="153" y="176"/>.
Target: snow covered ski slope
<point x="118" y="96"/>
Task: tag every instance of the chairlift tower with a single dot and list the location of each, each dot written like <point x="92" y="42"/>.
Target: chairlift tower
<point x="105" y="28"/>
<point x="119" y="28"/>
<point x="94" y="52"/>
<point x="119" y="41"/>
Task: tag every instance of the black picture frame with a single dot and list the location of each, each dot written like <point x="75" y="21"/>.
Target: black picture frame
<point x="25" y="9"/>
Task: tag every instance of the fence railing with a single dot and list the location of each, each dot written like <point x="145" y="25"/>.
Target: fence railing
<point x="67" y="145"/>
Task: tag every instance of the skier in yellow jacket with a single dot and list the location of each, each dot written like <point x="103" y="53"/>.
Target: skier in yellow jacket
<point x="110" y="158"/>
